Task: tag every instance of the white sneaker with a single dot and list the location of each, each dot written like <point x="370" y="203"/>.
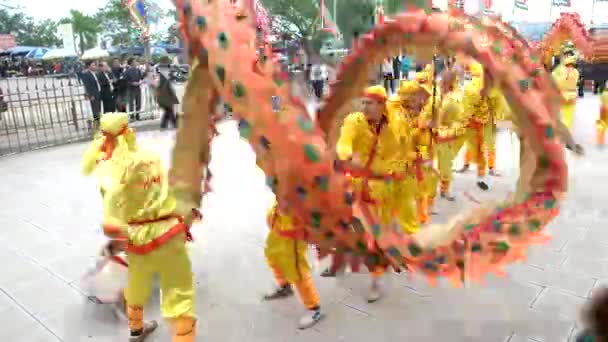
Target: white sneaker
<point x="311" y="318"/>
<point x="375" y="293"/>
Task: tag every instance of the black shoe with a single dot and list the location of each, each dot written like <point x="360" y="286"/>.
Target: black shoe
<point x="483" y="185"/>
<point x="463" y="169"/>
<point x="279" y="293"/>
<point x="446" y="196"/>
<point x="328" y="273"/>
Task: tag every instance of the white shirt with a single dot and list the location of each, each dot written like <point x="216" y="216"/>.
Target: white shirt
<point x="318" y="72"/>
<point x="387" y="67"/>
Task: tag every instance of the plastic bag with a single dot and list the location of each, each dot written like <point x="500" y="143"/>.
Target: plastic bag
<point x="104" y="282"/>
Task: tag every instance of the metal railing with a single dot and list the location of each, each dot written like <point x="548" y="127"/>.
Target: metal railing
<point x="50" y="111"/>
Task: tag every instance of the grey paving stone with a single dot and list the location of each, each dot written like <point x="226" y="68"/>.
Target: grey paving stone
<point x="562" y="303"/>
<point x="586" y="266"/>
<point x="54" y="235"/>
<point x="553" y="278"/>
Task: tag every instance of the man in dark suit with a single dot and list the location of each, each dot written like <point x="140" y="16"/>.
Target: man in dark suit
<point x="165" y="95"/>
<point x="120" y="86"/>
<point x="135" y="78"/>
<point x="105" y="78"/>
<point x="92" y="89"/>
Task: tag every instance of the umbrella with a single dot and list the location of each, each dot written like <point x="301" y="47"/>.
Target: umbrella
<point x="36" y="53"/>
<point x="95" y="53"/>
<point x="58" y="54"/>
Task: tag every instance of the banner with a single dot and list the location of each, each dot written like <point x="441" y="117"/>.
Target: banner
<point x="66" y="33"/>
<point x="521" y="4"/>
<point x="560" y="3"/>
<point x="7" y="41"/>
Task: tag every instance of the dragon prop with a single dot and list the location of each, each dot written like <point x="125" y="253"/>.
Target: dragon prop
<point x="299" y="163"/>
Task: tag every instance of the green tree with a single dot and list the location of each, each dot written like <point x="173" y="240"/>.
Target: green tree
<point x="27" y="31"/>
<point x="85" y="27"/>
<point x="117" y="23"/>
<point x="353" y="17"/>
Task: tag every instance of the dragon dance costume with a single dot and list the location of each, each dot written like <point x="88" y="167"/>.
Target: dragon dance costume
<point x="286" y="257"/>
<point x="139" y="210"/>
<point x="602" y="122"/>
<point x="449" y="134"/>
<point x="479" y="111"/>
<point x="566" y="76"/>
<point x="384" y="149"/>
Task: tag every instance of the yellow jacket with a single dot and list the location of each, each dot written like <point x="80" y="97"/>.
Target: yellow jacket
<point x="450" y="116"/>
<point x="482" y="108"/>
<point x="357" y="136"/>
<point x="604" y="99"/>
<point x="566" y="78"/>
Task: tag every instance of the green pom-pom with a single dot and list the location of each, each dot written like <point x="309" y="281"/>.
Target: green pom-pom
<point x="376" y="230"/>
<point x="524" y="85"/>
<point x="316" y="219"/>
<point x="244" y="129"/>
<point x="222" y="39"/>
<point x="476" y="247"/>
<point x="534" y="225"/>
<point x="514" y="229"/>
<point x="305" y="124"/>
<point x="549" y="133"/>
<point x="469" y="226"/>
<point x="312" y="154"/>
<point x="201" y="23"/>
<point x="221" y="73"/>
<point x="502" y="246"/>
<point x="414" y="249"/>
<point x="543" y="162"/>
<point x="238" y="90"/>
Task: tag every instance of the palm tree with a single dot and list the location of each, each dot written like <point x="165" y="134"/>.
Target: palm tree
<point x="85" y="28"/>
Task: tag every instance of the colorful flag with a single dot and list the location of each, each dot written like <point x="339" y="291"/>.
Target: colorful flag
<point x="521" y="4"/>
<point x="486" y="7"/>
<point x="560" y="3"/>
<point x="456" y="6"/>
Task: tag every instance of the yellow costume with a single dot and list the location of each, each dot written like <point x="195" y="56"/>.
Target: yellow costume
<point x="566" y="76"/>
<point x="139" y="209"/>
<point x="286" y="256"/>
<point x="384" y="148"/>
<point x="449" y="135"/>
<point x="602" y="122"/>
<point x="391" y="144"/>
<point x="423" y="142"/>
<point x="479" y="112"/>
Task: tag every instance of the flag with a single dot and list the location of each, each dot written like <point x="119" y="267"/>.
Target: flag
<point x="521" y="4"/>
<point x="379" y="14"/>
<point x="560" y="3"/>
<point x="456" y="6"/>
<point x="486" y="7"/>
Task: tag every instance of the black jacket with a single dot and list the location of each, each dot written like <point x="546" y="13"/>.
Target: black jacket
<point x="105" y="81"/>
<point x="91" y="87"/>
<point x="165" y="93"/>
<point x="133" y="75"/>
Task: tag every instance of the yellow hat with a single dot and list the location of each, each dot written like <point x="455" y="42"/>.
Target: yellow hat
<point x="376" y="92"/>
<point x="114" y="123"/>
<point x="407" y="88"/>
<point x="476" y="69"/>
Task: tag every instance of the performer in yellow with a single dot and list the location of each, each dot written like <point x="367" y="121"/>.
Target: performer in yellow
<point x="377" y="140"/>
<point x="423" y="141"/>
<point x="479" y="104"/>
<point x="566" y="76"/>
<point x="450" y="131"/>
<point x="602" y="122"/>
<point x="139" y="210"/>
<point x="286" y="256"/>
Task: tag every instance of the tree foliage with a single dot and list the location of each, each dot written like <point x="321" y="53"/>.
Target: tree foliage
<point x="85" y="28"/>
<point x="28" y="31"/>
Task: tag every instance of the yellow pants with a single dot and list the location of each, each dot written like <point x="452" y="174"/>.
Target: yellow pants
<point x="172" y="264"/>
<point x="446" y="153"/>
<point x="602" y="124"/>
<point x="287" y="259"/>
<point x="477" y="142"/>
<point x="568" y="110"/>
<point x="425" y="196"/>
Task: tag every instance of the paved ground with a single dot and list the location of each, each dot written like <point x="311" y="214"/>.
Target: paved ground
<point x="50" y="216"/>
